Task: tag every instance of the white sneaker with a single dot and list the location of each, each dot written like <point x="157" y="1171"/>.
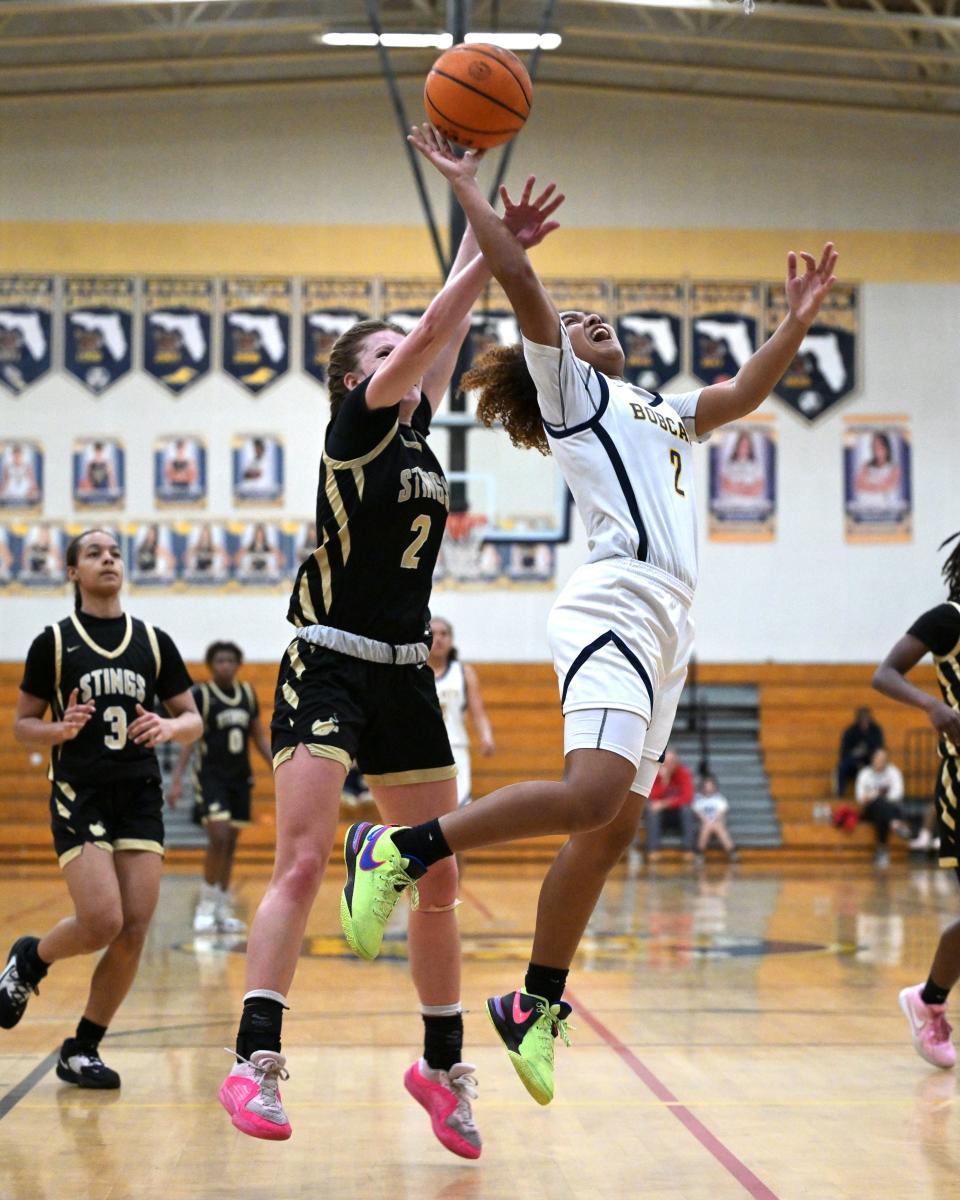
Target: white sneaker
<point x="921" y="841"/>
<point x="227" y="920"/>
<point x="205" y="917"/>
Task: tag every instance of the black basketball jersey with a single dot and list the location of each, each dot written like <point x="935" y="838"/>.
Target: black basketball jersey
<point x="939" y="630"/>
<point x="98" y="474"/>
<point x="380" y="521"/>
<point x="225" y="746"/>
<point x="116" y="681"/>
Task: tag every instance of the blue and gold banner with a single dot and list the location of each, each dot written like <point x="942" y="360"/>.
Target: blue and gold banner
<point x="210" y="556"/>
<point x="824" y="370"/>
<point x="21" y="476"/>
<point x="878" y="479"/>
<point x="26" y="329"/>
<point x="99" y="473"/>
<point x="725" y="328"/>
<point x="180" y="472"/>
<point x="330" y="307"/>
<point x="177" y="330"/>
<point x="405" y="300"/>
<point x="743" y="481"/>
<point x="256" y="330"/>
<point x="98" y="329"/>
<point x="651" y="330"/>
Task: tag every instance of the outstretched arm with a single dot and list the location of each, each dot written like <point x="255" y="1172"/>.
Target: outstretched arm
<point x="503" y="251"/>
<point x="721" y="403"/>
<point x="436" y="377"/>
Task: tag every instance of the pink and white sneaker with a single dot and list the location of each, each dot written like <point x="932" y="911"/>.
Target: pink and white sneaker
<point x="929" y="1027"/>
<point x="446" y="1096"/>
<point x="251" y="1095"/>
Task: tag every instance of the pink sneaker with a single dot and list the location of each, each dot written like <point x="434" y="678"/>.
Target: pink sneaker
<point x="446" y="1096"/>
<point x="251" y="1095"/>
<point x="929" y="1027"/>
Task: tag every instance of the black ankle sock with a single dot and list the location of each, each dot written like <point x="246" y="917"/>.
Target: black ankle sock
<point x="29" y="962"/>
<point x="425" y="843"/>
<point x="443" y="1041"/>
<point x="933" y="994"/>
<point x="88" y="1034"/>
<point x="260" y="1026"/>
<point x="547" y="982"/>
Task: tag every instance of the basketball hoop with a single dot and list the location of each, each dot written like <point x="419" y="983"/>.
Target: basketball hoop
<point x="461" y="552"/>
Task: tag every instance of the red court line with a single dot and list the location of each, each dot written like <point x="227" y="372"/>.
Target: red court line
<point x="710" y="1142"/>
<point x="477" y="903"/>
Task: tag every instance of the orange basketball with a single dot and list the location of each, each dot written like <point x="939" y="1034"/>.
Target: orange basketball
<point x="478" y="95"/>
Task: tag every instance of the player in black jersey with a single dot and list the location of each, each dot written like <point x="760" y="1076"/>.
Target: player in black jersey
<point x="354" y="684"/>
<point x="99" y="670"/>
<point x="222" y="780"/>
<point x="936" y="632"/>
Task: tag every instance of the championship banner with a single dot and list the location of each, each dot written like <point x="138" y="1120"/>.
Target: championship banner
<point x="725" y="328"/>
<point x="262" y="554"/>
<point x="98" y="329"/>
<point x="21" y="476"/>
<point x="177" y="327"/>
<point x="153" y="553"/>
<point x="330" y="307"/>
<point x="878" y="479"/>
<point x="404" y="300"/>
<point x="651" y="331"/>
<point x="180" y="472"/>
<point x="824" y="369"/>
<point x="256" y="331"/>
<point x="26" y="329"/>
<point x="38" y="555"/>
<point x="257" y="469"/>
<point x="99" y="478"/>
<point x="743" y="481"/>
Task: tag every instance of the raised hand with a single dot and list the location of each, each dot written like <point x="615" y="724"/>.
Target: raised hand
<point x="75" y="716"/>
<point x="527" y="219"/>
<point x="437" y="150"/>
<point x="149" y="729"/>
<point x="805" y="292"/>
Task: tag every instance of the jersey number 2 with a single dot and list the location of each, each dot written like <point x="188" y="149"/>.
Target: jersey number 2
<point x="677" y="463"/>
<point x="421" y="529"/>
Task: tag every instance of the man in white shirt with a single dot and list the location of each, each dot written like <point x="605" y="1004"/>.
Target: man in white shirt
<point x="879" y="790"/>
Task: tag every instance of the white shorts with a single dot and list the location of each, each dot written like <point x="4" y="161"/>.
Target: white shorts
<point x="621" y="637"/>
<point x="461" y="756"/>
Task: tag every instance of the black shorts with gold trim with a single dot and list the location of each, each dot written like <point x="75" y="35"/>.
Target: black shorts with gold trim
<point x="126" y="814"/>
<point x="948" y="814"/>
<point x="385" y="717"/>
<point x="222" y="798"/>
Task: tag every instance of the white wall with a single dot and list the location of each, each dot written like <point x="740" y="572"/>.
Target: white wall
<point x="331" y="157"/>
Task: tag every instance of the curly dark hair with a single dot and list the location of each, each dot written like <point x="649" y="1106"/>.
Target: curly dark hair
<point x="344" y="355"/>
<point x="951" y="566"/>
<point x="508" y="395"/>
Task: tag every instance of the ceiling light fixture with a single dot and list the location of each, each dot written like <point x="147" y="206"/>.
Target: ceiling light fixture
<point x="441" y="41"/>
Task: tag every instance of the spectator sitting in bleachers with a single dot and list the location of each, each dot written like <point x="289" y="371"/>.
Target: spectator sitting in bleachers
<point x="879" y="791"/>
<point x="671" y="801"/>
<point x="710" y="807"/>
<point x="857" y="745"/>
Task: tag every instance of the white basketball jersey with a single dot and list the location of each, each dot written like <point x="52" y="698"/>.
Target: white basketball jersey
<point x="625" y="454"/>
<point x="452" y="694"/>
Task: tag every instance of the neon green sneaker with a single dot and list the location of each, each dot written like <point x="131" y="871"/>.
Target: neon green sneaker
<point x="527" y="1026"/>
<point x="377" y="876"/>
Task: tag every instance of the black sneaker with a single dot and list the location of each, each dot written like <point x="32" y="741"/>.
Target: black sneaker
<point x="15" y="988"/>
<point x="84" y="1067"/>
<point x="527" y="1026"/>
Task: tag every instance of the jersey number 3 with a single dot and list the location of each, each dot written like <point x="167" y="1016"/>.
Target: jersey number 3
<point x="677" y="463"/>
<point x="421" y="531"/>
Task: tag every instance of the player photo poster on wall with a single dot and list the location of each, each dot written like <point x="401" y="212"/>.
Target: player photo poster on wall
<point x="98" y="329"/>
<point x="180" y="471"/>
<point x="650" y="328"/>
<point x="330" y="307"/>
<point x="177" y="323"/>
<point x="21" y="476"/>
<point x="878" y="479"/>
<point x="257" y="469"/>
<point x="725" y="320"/>
<point x="26" y="325"/>
<point x="256" y="330"/>
<point x="824" y="370"/>
<point x="98" y="473"/>
<point x="743" y="481"/>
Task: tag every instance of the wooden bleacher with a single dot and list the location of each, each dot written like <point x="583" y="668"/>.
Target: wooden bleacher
<point x="803" y="710"/>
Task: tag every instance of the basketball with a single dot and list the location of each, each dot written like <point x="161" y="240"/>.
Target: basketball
<point x="478" y="95"/>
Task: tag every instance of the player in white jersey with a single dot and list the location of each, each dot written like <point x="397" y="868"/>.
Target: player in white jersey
<point x="620" y="632"/>
<point x="458" y="691"/>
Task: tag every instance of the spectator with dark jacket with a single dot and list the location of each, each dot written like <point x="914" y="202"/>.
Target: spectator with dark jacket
<point x="857" y="746"/>
<point x="671" y="803"/>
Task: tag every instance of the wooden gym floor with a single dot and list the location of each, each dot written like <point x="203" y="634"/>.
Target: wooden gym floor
<point x="736" y="1035"/>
